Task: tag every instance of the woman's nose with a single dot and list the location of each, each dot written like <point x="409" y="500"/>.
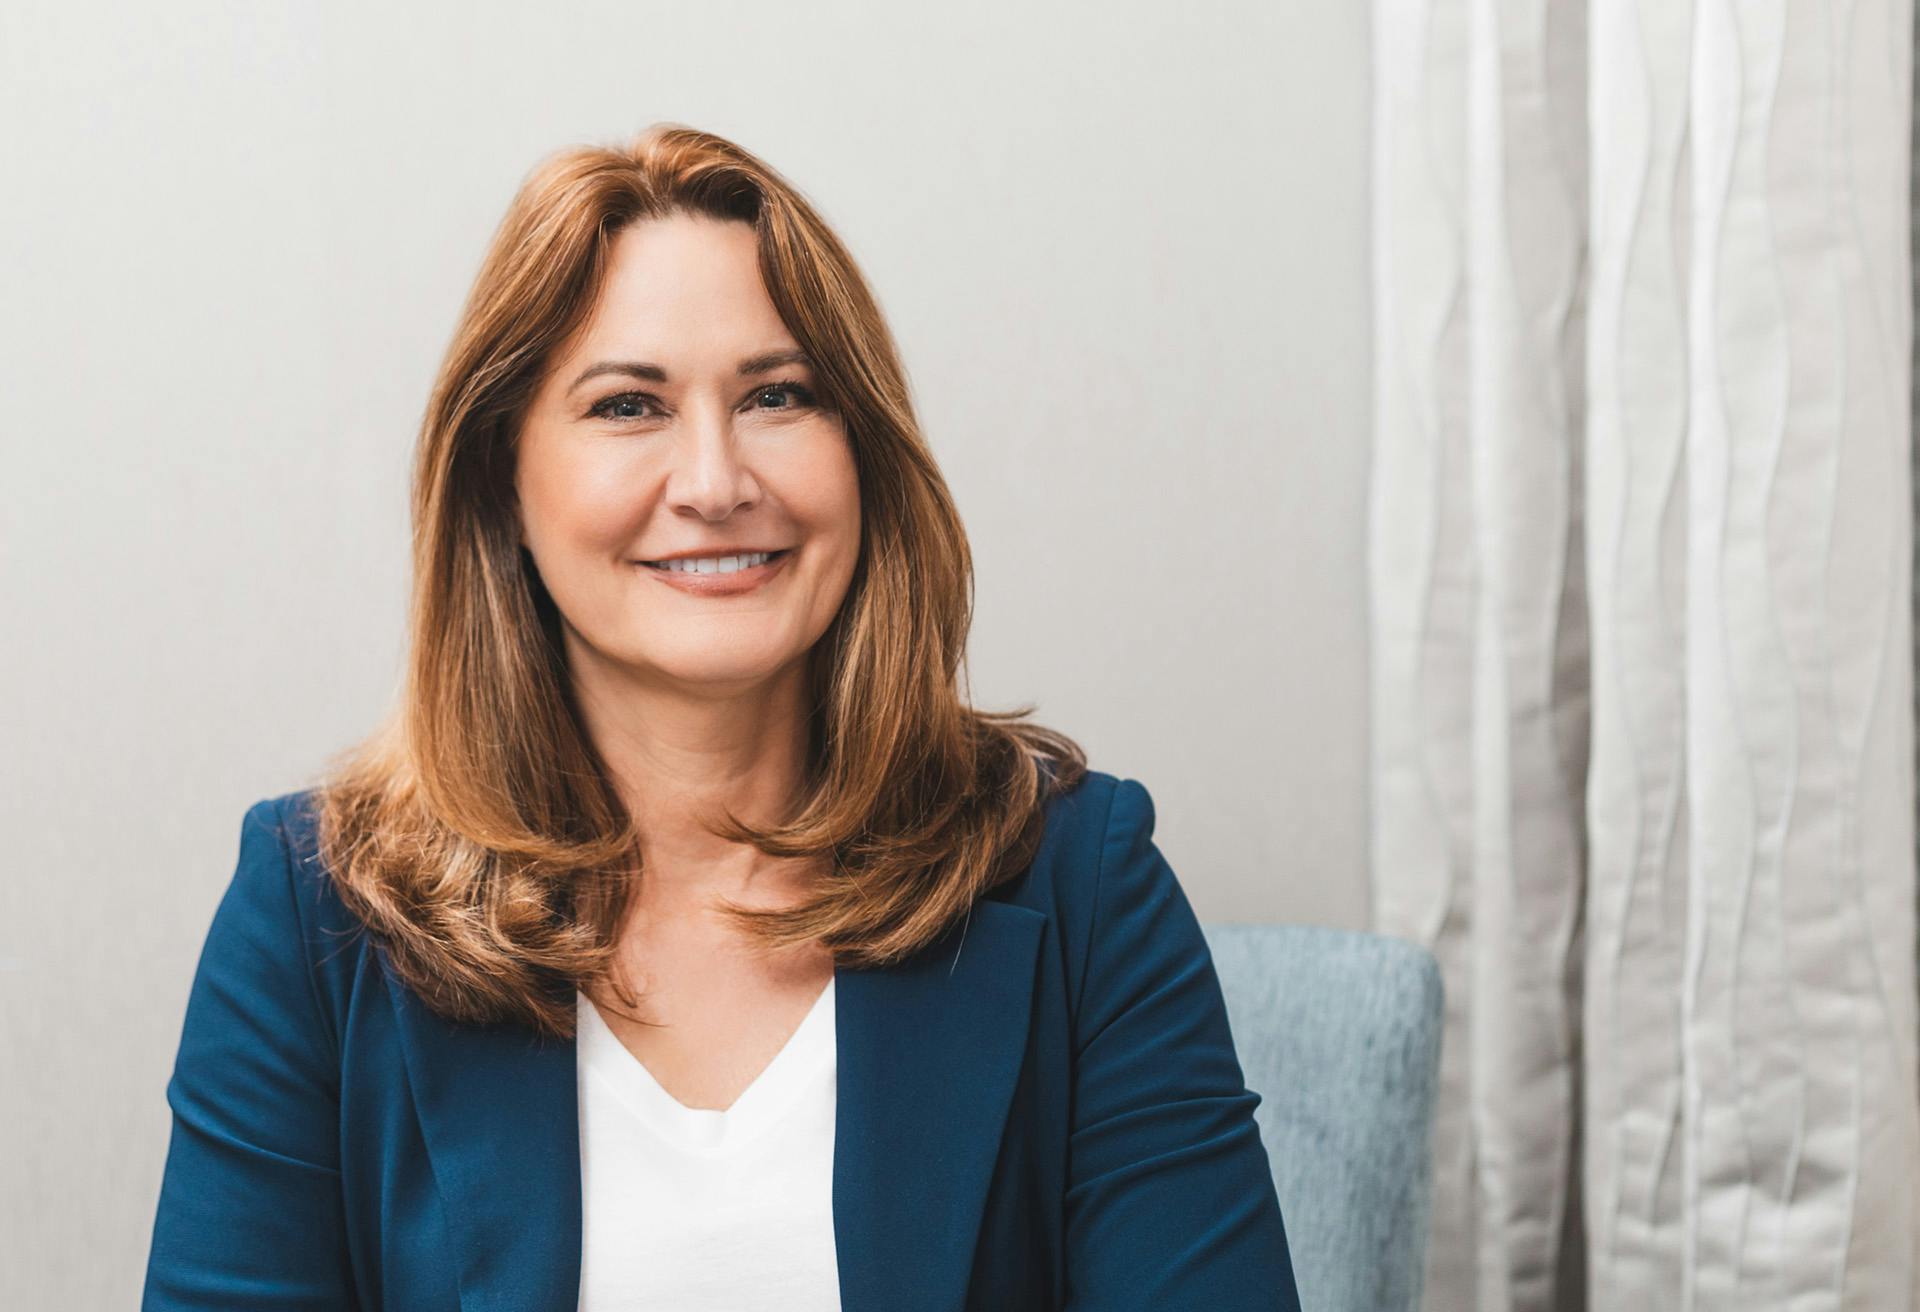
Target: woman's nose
<point x="709" y="475"/>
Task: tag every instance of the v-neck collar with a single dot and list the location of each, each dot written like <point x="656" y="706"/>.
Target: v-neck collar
<point x="706" y="1130"/>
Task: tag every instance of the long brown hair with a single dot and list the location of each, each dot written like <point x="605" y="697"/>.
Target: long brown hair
<point x="477" y="833"/>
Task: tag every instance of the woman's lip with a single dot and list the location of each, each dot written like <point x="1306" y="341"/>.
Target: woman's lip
<point x="719" y="585"/>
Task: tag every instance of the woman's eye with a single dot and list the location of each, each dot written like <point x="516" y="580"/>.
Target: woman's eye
<point x="802" y="396"/>
<point x="605" y="409"/>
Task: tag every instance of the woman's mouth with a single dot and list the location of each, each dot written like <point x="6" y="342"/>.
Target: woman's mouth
<point x="718" y="576"/>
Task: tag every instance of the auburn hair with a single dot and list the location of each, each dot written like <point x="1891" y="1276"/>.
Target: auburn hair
<point x="476" y="833"/>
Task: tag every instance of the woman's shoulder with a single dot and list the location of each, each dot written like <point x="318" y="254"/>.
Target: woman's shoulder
<point x="1098" y="830"/>
<point x="294" y="817"/>
<point x="1119" y="914"/>
<point x="277" y="868"/>
<point x="1076" y="821"/>
<point x="281" y="832"/>
<point x="265" y="982"/>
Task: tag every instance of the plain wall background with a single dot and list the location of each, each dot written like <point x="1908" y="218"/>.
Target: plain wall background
<point x="1123" y="247"/>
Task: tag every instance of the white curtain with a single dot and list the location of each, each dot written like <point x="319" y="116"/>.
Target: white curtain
<point x="1641" y="566"/>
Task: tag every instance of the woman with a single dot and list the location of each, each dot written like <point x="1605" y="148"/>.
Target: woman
<point x="684" y="940"/>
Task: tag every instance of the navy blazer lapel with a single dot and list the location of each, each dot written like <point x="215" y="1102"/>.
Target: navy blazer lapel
<point x="929" y="1051"/>
<point x="500" y="1112"/>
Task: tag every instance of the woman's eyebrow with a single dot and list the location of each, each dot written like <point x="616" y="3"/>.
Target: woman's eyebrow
<point x="762" y="363"/>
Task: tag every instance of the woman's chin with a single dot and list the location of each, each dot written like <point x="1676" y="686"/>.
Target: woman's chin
<point x="722" y="671"/>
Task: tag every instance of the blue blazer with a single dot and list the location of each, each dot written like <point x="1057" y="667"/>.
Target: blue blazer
<point x="1042" y="1110"/>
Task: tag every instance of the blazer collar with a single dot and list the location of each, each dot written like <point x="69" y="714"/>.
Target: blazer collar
<point x="929" y="1052"/>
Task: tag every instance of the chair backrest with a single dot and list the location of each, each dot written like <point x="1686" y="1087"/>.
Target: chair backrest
<point x="1338" y="1031"/>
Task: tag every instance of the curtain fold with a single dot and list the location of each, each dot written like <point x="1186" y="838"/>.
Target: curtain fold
<point x="1637" y="500"/>
<point x="1526" y="344"/>
<point x="1641" y="572"/>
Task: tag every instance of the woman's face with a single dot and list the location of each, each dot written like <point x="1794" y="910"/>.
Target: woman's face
<point x="679" y="422"/>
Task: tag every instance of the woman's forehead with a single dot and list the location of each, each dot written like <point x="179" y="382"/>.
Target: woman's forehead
<point x="690" y="301"/>
<point x="682" y="261"/>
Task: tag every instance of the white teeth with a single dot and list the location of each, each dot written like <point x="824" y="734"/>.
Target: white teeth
<point x="714" y="564"/>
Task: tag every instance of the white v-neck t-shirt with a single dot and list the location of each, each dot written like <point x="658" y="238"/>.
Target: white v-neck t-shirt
<point x="699" y="1210"/>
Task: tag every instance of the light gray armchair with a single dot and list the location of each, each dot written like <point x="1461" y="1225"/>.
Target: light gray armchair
<point x="1339" y="1033"/>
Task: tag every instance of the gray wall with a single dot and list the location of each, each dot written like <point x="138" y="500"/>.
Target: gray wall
<point x="1124" y="247"/>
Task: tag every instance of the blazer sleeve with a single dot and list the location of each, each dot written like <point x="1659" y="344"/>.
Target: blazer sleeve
<point x="1170" y="1202"/>
<point x="251" y="1212"/>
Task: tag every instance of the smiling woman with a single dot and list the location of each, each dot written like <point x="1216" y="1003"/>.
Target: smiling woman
<point x="684" y="938"/>
<point x="725" y="452"/>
